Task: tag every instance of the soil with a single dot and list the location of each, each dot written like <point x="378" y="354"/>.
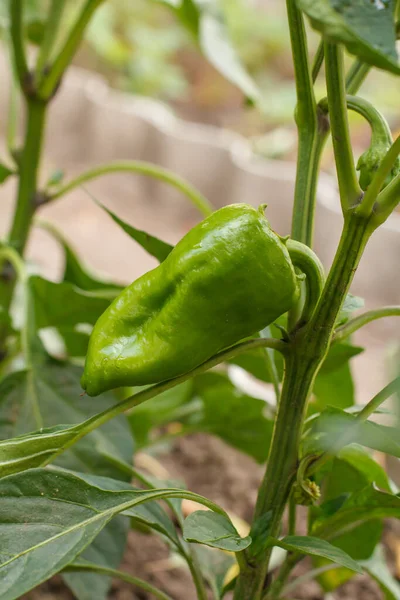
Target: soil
<point x="215" y="470"/>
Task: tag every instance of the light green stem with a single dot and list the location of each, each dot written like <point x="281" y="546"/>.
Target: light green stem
<point x="353" y="325"/>
<point x="64" y="58"/>
<point x="308" y="262"/>
<point x="350" y="192"/>
<point x="17" y="41"/>
<point x="387" y="201"/>
<point x="356" y="76"/>
<point x="140" y="397"/>
<point x="50" y="35"/>
<point x="141" y="168"/>
<point x="136" y="581"/>
<point x="318" y="61"/>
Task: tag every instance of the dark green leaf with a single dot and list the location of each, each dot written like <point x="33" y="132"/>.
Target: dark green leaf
<point x="233" y="416"/>
<point x="365" y="27"/>
<point x="5" y="172"/>
<point x="107" y="549"/>
<point x="377" y="568"/>
<point x="255" y="362"/>
<point x="214" y="566"/>
<point x="316" y="547"/>
<point x="63" y="304"/>
<point x="49" y="394"/>
<point x="32" y="450"/>
<point x="339" y="355"/>
<point x="212" y="529"/>
<point x="363" y="505"/>
<point x="47" y="518"/>
<point x="151" y="244"/>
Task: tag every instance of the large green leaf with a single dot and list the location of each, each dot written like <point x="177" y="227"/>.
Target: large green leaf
<point x="212" y="529"/>
<point x="334" y="425"/>
<point x="214" y="565"/>
<point x="48" y="518"/>
<point x="49" y="394"/>
<point x="150" y="243"/>
<point x="64" y="304"/>
<point x="366" y="27"/>
<point x="32" y="450"/>
<point x="233" y="416"/>
<point x="316" y="547"/>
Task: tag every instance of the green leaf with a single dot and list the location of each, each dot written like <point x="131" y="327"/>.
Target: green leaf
<point x="32" y="450"/>
<point x="313" y="546"/>
<point x="63" y="304"/>
<point x="74" y="270"/>
<point x="377" y="568"/>
<point x="334" y="383"/>
<point x="255" y="363"/>
<point x="333" y="425"/>
<point x="212" y="529"/>
<point x="47" y="518"/>
<point x="214" y="566"/>
<point x="164" y="408"/>
<point x="365" y="27"/>
<point x="107" y="549"/>
<point x="350" y="305"/>
<point x="363" y="505"/>
<point x="233" y="416"/>
<point x="49" y="394"/>
<point x="205" y="21"/>
<point x="216" y="46"/>
<point x="5" y="173"/>
<point x="151" y="244"/>
<point x="360" y="459"/>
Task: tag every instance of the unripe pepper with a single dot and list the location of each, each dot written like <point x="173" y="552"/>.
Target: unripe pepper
<point x="227" y="279"/>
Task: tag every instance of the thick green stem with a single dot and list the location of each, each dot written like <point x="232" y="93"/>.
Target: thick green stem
<point x="141" y="168"/>
<point x="349" y="189"/>
<point x="25" y="204"/>
<point x="28" y="173"/>
<point x="303" y="361"/>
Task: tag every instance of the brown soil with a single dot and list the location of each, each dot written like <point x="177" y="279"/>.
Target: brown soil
<point x="215" y="470"/>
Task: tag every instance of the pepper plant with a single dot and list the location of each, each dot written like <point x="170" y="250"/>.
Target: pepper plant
<point x="232" y="292"/>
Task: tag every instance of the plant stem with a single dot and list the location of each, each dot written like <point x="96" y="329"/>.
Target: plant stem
<point x="142" y="168"/>
<point x="136" y="581"/>
<point x="50" y="35"/>
<point x="159" y="388"/>
<point x="307" y="125"/>
<point x="64" y="58"/>
<point x="349" y="189"/>
<point x="306" y="354"/>
<point x="308" y="262"/>
<point x="356" y="76"/>
<point x="36" y="113"/>
<point x="350" y="327"/>
<point x="318" y="60"/>
<point x="17" y="41"/>
<point x="28" y="171"/>
<point x="197" y="577"/>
